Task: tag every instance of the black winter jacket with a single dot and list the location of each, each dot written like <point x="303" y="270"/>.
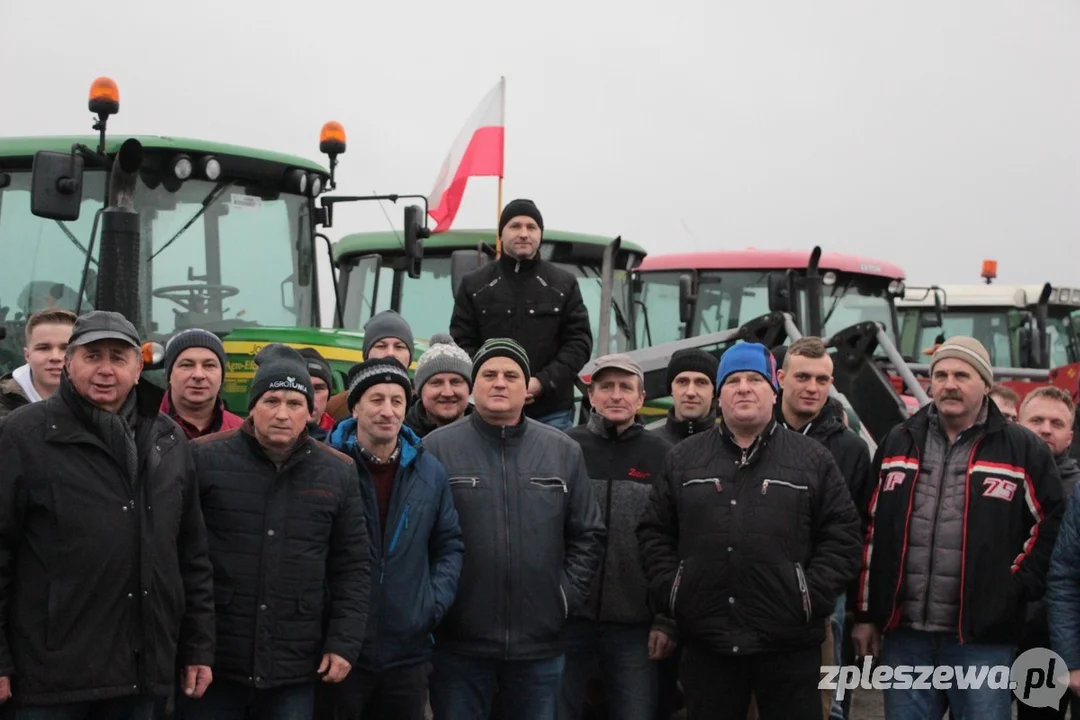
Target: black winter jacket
<point x="1013" y="509"/>
<point x="675" y="431"/>
<point x="532" y="535"/>
<point x="105" y="586"/>
<point x="749" y="549"/>
<point x="278" y="537"/>
<point x="622" y="468"/>
<point x="417" y="420"/>
<point x="539" y="306"/>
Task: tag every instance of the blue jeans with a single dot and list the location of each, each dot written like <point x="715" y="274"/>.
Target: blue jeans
<point x="560" y="419"/>
<point x="133" y="707"/>
<point x="836" y="711"/>
<point x="630" y="677"/>
<point x="461" y="687"/>
<point x="228" y="700"/>
<point x="911" y="647"/>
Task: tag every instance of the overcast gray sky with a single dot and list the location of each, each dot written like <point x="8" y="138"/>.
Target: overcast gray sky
<point x="932" y="134"/>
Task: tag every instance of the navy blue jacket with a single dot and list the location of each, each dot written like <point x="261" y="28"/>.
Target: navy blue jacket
<point x="416" y="558"/>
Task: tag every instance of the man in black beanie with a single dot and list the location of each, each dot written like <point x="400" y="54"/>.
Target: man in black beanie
<point x="691" y="376"/>
<point x="290" y="551"/>
<point x="194" y="371"/>
<point x="535" y="303"/>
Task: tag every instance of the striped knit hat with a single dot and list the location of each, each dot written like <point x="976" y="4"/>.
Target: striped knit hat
<point x="363" y="376"/>
<point x="501" y="347"/>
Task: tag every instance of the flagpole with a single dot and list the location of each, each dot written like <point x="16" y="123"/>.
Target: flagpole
<point x="498" y="209"/>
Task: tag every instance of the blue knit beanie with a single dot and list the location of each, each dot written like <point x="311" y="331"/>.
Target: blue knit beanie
<point x="747" y="357"/>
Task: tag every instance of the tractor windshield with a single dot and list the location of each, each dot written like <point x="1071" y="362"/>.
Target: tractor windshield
<point x="428" y="303"/>
<point x="213" y="256"/>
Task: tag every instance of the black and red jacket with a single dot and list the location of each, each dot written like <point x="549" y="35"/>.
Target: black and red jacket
<point x="1012" y="510"/>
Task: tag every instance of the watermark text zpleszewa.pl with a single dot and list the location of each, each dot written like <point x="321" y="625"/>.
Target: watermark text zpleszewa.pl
<point x="1038" y="677"/>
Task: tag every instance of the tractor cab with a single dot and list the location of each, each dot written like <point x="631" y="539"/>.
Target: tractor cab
<point x="384" y="270"/>
<point x="174" y="233"/>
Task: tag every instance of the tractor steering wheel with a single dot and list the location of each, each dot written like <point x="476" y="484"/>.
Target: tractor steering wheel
<point x="194" y="298"/>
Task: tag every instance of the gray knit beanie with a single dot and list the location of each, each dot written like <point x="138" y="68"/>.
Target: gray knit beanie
<point x="192" y="338"/>
<point x="443" y="356"/>
<point x="387" y="324"/>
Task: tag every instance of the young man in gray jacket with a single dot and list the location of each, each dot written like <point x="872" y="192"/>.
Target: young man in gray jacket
<point x="533" y="538"/>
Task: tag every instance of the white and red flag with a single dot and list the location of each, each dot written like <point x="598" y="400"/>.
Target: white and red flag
<point x="477" y="152"/>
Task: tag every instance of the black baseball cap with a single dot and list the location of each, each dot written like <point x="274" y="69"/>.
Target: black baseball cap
<point x="103" y="325"/>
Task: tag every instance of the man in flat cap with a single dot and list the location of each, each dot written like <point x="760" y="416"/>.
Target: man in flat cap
<point x="105" y="583"/>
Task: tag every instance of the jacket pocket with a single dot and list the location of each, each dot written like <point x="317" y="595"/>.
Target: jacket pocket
<point x="309" y="599"/>
<point x="550" y="483"/>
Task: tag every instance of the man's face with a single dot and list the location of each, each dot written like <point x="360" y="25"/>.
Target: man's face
<point x="1051" y="421"/>
<point x="956" y="388"/>
<point x="617" y="395"/>
<point x="692" y="395"/>
<point x="445" y="397"/>
<point x="521" y="237"/>
<point x="500" y="388"/>
<point x="379" y="413"/>
<point x="44" y="353"/>
<point x="105" y="372"/>
<point x="806" y="383"/>
<point x="1008" y="409"/>
<point x="279" y="417"/>
<point x="391" y="347"/>
<point x="196" y="377"/>
<point x="746" y="399"/>
<point x="322" y="396"/>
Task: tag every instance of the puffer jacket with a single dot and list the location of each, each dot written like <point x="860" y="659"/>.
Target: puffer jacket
<point x="533" y="537"/>
<point x="418" y="554"/>
<point x="539" y="306"/>
<point x="675" y="431"/>
<point x="1012" y="512"/>
<point x="279" y="536"/>
<point x="622" y="467"/>
<point x="748" y="549"/>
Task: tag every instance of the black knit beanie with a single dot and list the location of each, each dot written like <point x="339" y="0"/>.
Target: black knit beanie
<point x="280" y="368"/>
<point x="516" y="208"/>
<point x="501" y="347"/>
<point x="317" y="365"/>
<point x="192" y="338"/>
<point x="692" y="360"/>
<point x="363" y="376"/>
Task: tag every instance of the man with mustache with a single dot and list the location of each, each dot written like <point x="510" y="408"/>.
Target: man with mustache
<point x="47" y="334"/>
<point x="194" y="371"/>
<point x="959" y="534"/>
<point x="443" y="384"/>
<point x="691" y="375"/>
<point x="533" y="302"/>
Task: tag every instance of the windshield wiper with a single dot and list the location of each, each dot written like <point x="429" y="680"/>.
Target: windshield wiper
<point x="211" y="198"/>
<point x="74" y="240"/>
<point x="836" y="301"/>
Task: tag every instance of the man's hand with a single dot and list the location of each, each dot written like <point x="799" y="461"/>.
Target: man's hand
<point x="5" y="689"/>
<point x="867" y="639"/>
<point x="196" y="679"/>
<point x="334" y="668"/>
<point x="1074" y="681"/>
<point x="536" y="388"/>
<point x="660" y="645"/>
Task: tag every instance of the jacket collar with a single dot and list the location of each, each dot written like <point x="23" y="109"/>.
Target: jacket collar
<point x="511" y="266"/>
<point x="500" y="433"/>
<point x="417" y="417"/>
<point x="828" y="422"/>
<point x="686" y="428"/>
<point x="189" y="429"/>
<point x="918" y="425"/>
<point x="343" y="439"/>
<point x="247" y="431"/>
<point x="600" y="425"/>
<point x="751" y="453"/>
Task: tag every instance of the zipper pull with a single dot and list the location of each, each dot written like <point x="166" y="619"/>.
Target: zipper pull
<point x="764" y="486"/>
<point x="382" y="569"/>
<point x="718" y="488"/>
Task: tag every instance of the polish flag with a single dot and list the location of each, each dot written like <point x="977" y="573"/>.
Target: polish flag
<point x="477" y="152"/>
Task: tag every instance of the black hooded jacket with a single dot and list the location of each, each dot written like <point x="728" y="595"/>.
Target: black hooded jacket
<point x="675" y="431"/>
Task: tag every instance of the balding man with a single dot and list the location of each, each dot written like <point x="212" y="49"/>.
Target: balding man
<point x="960" y="530"/>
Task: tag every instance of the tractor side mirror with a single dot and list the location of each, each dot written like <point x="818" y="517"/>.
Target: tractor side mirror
<point x="779" y="294"/>
<point x="687" y="299"/>
<point x="415" y="232"/>
<point x="56" y="185"/>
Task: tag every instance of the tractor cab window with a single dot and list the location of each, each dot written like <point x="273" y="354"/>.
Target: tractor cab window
<point x="990" y="327"/>
<point x="855" y="299"/>
<point x="1062" y="339"/>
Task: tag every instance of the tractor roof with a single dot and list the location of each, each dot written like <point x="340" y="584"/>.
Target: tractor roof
<point x="983" y="295"/>
<point x="754" y="259"/>
<point x="383" y="241"/>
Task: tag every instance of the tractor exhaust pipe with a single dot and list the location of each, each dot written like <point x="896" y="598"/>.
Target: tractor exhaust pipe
<point x="118" y="263"/>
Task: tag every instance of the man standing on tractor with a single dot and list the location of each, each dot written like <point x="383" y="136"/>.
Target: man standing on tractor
<point x="47" y="334"/>
<point x="320" y="423"/>
<point x="805" y="407"/>
<point x="533" y="302"/>
<point x="533" y="537"/>
<point x="960" y="530"/>
<point x="618" y="623"/>
<point x="749" y="537"/>
<point x="194" y="371"/>
<point x="107" y="587"/>
<point x="691" y="375"/>
<point x="443" y="384"/>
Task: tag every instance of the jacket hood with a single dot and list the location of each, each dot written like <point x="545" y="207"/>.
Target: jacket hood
<point x="343" y="439"/>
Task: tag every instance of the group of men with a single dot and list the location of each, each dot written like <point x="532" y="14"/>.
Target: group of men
<point x="450" y="538"/>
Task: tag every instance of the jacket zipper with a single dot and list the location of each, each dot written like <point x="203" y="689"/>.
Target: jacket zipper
<point x="766" y="482"/>
<point x="506" y="526"/>
<point x="675" y="587"/>
<point x="963" y="541"/>
<point x="550" y="483"/>
<point x="937" y="522"/>
<point x="403" y="524"/>
<point x="804" y="590"/>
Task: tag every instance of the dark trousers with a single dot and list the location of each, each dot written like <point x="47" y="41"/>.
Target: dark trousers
<point x="126" y="708"/>
<point x="462" y="687"/>
<point x="228" y="700"/>
<point x="396" y="694"/>
<point x="718" y="687"/>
